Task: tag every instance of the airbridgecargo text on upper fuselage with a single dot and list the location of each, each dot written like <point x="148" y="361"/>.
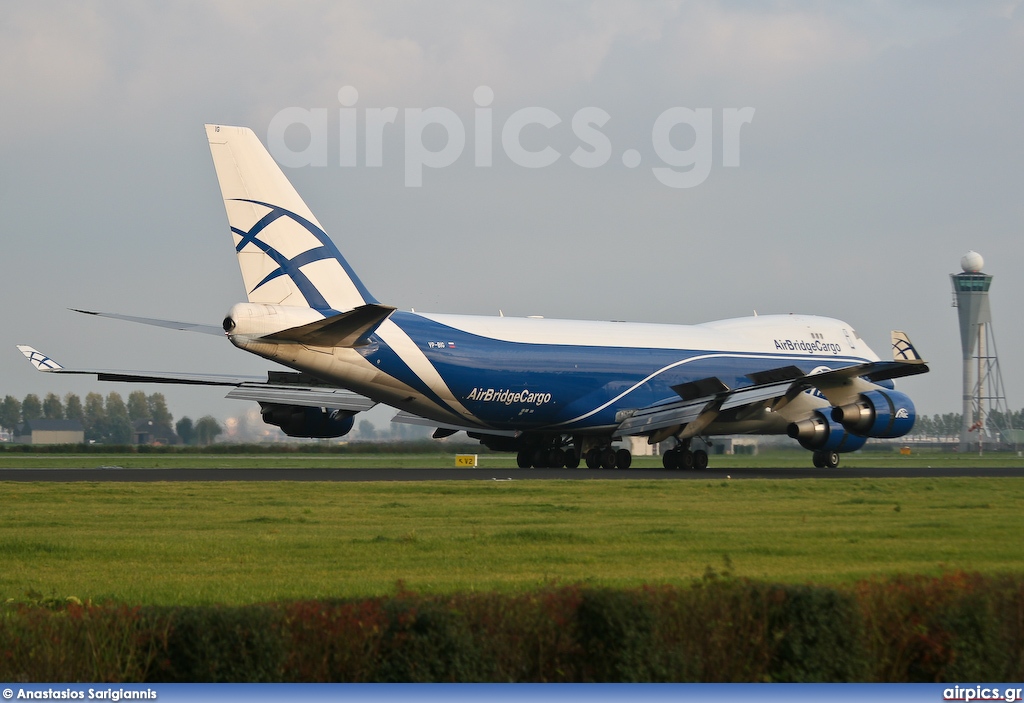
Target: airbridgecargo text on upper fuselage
<point x="508" y="397"/>
<point x="813" y="347"/>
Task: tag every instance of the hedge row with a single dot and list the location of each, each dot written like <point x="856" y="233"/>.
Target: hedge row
<point x="959" y="626"/>
<point x="426" y="446"/>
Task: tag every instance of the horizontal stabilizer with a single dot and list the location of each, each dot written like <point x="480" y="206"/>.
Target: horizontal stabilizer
<point x="168" y="324"/>
<point x="349" y="329"/>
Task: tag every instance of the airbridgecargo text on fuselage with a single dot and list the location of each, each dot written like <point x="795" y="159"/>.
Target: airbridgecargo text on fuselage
<point x="814" y="347"/>
<point x="508" y="397"/>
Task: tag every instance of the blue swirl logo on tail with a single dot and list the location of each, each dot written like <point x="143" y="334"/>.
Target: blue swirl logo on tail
<point x="292" y="268"/>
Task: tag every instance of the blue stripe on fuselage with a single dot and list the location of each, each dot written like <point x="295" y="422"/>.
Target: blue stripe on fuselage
<point x="518" y="385"/>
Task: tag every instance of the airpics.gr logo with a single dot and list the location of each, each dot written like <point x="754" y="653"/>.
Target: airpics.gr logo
<point x="417" y="128"/>
<point x="813" y="347"/>
<point x="509" y="397"/>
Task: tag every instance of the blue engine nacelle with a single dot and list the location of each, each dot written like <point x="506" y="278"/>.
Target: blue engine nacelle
<point x="819" y="433"/>
<point x="302" y="421"/>
<point x="881" y="413"/>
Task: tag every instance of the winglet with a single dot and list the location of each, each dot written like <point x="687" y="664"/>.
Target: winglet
<point x="41" y="361"/>
<point x="902" y="348"/>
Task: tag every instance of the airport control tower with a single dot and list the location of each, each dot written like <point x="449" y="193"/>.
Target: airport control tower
<point x="983" y="384"/>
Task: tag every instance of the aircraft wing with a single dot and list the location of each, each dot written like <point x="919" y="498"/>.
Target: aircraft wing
<point x="445" y="429"/>
<point x="705" y="408"/>
<point x="283" y="388"/>
<point x="702" y="401"/>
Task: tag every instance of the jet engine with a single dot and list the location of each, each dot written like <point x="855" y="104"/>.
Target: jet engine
<point x="881" y="413"/>
<point x="819" y="433"/>
<point x="301" y="421"/>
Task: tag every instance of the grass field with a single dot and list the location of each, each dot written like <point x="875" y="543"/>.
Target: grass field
<point x="773" y="459"/>
<point x="188" y="543"/>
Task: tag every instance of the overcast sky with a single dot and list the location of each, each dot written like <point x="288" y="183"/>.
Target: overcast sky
<point x="886" y="141"/>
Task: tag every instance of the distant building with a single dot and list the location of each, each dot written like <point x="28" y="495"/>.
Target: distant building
<point x="145" y="432"/>
<point x="43" y="431"/>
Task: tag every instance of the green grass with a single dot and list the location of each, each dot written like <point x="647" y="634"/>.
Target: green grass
<point x="238" y="461"/>
<point x="182" y="543"/>
<point x="767" y="459"/>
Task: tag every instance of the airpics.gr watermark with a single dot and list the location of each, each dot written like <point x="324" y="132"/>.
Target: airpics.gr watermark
<point x="679" y="168"/>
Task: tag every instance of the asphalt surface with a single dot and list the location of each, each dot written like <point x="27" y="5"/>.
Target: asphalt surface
<point x="120" y="475"/>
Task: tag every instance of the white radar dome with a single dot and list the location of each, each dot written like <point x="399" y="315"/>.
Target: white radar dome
<point x="971" y="262"/>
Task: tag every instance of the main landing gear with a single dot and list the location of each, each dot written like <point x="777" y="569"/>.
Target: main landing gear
<point x="608" y="458"/>
<point x="556" y="457"/>
<point x="547" y="458"/>
<point x="680" y="458"/>
<point x="825" y="460"/>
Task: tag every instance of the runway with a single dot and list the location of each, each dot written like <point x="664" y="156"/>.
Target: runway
<point x="120" y="475"/>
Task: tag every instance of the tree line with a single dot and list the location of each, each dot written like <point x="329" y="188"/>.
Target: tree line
<point x="108" y="420"/>
<point x="946" y="427"/>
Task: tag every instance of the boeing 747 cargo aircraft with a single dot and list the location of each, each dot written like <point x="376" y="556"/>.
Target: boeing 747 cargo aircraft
<point x="557" y="392"/>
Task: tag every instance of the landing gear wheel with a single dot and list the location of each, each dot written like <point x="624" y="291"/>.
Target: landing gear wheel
<point x="700" y="460"/>
<point x="826" y="460"/>
<point x="593" y="458"/>
<point x="670" y="459"/>
<point x="556" y="458"/>
<point x="572" y="459"/>
<point x="524" y="459"/>
<point x="623" y="459"/>
<point x="540" y="458"/>
<point x="686" y="460"/>
<point x="608" y="458"/>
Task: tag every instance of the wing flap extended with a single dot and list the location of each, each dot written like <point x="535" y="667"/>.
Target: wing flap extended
<point x="657" y="417"/>
<point x="308" y="396"/>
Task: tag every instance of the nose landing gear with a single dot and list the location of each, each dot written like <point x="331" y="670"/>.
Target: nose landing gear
<point x="825" y="460"/>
